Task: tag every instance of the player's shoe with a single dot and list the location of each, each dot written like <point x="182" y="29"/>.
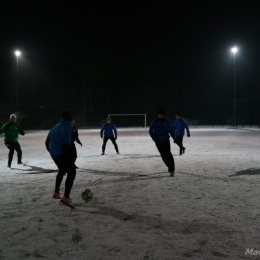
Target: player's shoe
<point x="68" y="202"/>
<point x="9" y="165"/>
<point x="183" y="150"/>
<point x="171" y="173"/>
<point x="56" y="195"/>
<point x="102" y="153"/>
<point x="117" y="152"/>
<point x="21" y="163"/>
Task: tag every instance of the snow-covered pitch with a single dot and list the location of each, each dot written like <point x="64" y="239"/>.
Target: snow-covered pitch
<point x="209" y="210"/>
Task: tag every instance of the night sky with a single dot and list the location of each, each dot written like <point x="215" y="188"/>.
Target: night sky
<point x="115" y="44"/>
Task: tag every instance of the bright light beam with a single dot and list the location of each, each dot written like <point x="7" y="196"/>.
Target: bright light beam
<point x="17" y="53"/>
<point x="234" y="49"/>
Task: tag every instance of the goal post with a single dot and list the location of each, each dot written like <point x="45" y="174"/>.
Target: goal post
<point x="130" y="115"/>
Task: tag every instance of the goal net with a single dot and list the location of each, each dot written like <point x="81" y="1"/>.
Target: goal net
<point x="129" y="120"/>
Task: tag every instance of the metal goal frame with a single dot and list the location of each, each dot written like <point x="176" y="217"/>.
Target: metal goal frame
<point x="130" y="115"/>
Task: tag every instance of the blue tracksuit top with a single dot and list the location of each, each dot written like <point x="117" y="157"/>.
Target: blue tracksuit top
<point x="108" y="129"/>
<point x="161" y="130"/>
<point x="179" y="126"/>
<point x="58" y="136"/>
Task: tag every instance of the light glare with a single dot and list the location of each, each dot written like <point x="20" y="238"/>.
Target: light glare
<point x="17" y="53"/>
<point x="234" y="49"/>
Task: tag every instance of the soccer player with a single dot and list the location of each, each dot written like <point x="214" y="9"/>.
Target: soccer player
<point x="109" y="131"/>
<point x="160" y="131"/>
<point x="179" y="126"/>
<point x="58" y="143"/>
<point x="12" y="130"/>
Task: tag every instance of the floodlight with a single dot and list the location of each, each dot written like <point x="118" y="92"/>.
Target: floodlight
<point x="17" y="53"/>
<point x="234" y="49"/>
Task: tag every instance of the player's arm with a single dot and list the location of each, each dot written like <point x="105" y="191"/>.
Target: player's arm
<point x="3" y="128"/>
<point x="171" y="131"/>
<point x="78" y="141"/>
<point x="20" y="130"/>
<point x="66" y="136"/>
<point x="174" y="126"/>
<point x="151" y="131"/>
<point x="102" y="130"/>
<point x="77" y="136"/>
<point x="115" y="131"/>
<point x="187" y="128"/>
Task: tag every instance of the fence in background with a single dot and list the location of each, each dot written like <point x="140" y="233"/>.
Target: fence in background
<point x="90" y="109"/>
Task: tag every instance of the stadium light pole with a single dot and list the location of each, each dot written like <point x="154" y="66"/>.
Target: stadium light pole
<point x="17" y="53"/>
<point x="234" y="50"/>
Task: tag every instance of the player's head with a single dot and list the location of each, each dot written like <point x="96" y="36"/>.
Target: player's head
<point x="161" y="113"/>
<point x="66" y="115"/>
<point x="108" y="120"/>
<point x="13" y="118"/>
<point x="177" y="115"/>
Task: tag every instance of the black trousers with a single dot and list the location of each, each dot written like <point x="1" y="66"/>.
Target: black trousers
<point x="165" y="151"/>
<point x="14" y="146"/>
<point x="65" y="165"/>
<point x="178" y="141"/>
<point x="112" y="138"/>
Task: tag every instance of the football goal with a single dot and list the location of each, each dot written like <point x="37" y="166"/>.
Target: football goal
<point x="130" y="115"/>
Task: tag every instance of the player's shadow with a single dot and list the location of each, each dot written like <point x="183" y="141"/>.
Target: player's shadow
<point x="130" y="175"/>
<point x="250" y="171"/>
<point x="35" y="170"/>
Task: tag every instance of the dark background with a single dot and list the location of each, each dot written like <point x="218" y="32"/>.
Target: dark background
<point x="103" y="57"/>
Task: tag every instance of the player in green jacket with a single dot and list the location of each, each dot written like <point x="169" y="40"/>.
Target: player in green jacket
<point x="11" y="131"/>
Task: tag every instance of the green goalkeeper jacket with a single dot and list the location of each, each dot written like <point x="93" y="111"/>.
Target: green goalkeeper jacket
<point x="11" y="131"/>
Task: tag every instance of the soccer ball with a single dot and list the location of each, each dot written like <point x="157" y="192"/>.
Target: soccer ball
<point x="87" y="195"/>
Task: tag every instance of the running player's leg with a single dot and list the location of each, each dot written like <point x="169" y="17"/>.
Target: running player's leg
<point x="179" y="142"/>
<point x="18" y="149"/>
<point x="71" y="174"/>
<point x="11" y="153"/>
<point x="104" y="144"/>
<point x="112" y="138"/>
<point x="167" y="157"/>
<point x="62" y="171"/>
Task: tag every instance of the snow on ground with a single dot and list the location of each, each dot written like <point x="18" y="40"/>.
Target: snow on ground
<point x="209" y="210"/>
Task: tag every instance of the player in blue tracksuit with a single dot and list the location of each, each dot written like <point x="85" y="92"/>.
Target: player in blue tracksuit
<point x="179" y="126"/>
<point x="58" y="143"/>
<point x="160" y="131"/>
<point x="108" y="131"/>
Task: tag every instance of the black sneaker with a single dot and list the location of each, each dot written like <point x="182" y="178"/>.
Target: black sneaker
<point x="171" y="173"/>
<point x="183" y="150"/>
<point x="9" y="165"/>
